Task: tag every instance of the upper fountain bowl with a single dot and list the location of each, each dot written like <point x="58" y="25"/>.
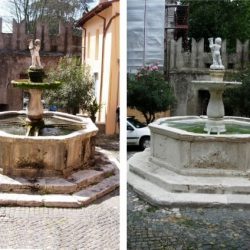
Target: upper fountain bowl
<point x="27" y="84"/>
<point x="35" y="81"/>
<point x="215" y="84"/>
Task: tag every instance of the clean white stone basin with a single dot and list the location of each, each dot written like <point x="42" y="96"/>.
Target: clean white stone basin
<point x="192" y="153"/>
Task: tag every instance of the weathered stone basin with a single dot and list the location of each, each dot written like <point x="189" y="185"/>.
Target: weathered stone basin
<point x="190" y="153"/>
<point x="41" y="156"/>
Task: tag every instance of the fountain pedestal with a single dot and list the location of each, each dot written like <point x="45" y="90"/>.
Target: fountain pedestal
<point x="215" y="109"/>
<point x="215" y="112"/>
<point x="35" y="107"/>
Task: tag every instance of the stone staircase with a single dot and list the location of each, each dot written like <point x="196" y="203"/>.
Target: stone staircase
<point x="79" y="189"/>
<point x="161" y="186"/>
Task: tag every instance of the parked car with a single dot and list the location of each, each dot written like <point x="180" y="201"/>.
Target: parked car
<point x="137" y="133"/>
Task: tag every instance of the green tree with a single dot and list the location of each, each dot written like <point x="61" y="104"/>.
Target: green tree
<point x="237" y="100"/>
<point x="76" y="89"/>
<point x="149" y="93"/>
<point x="228" y="19"/>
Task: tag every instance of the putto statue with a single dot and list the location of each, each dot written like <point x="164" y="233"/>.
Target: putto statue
<point x="215" y="49"/>
<point x="34" y="48"/>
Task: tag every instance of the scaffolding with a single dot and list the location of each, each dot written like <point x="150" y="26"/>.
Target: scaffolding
<point x="176" y="26"/>
<point x="145" y="33"/>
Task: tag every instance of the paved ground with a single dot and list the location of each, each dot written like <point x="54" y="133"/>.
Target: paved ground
<point x="152" y="227"/>
<point x="93" y="227"/>
<point x="109" y="143"/>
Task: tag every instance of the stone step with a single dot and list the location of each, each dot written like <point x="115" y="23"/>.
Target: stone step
<point x="79" y="199"/>
<point x="77" y="181"/>
<point x="161" y="197"/>
<point x="171" y="181"/>
<point x="94" y="192"/>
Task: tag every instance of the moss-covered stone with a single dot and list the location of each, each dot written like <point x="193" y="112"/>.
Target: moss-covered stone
<point x="27" y="84"/>
<point x="36" y="74"/>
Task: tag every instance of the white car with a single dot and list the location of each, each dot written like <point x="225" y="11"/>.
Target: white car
<point x="137" y="133"/>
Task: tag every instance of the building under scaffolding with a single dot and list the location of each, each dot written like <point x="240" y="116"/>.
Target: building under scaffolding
<point x="145" y="33"/>
<point x="151" y="24"/>
<point x="176" y="26"/>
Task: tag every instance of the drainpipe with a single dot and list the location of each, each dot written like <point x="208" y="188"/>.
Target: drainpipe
<point x="102" y="62"/>
<point x="84" y="45"/>
<point x="105" y="28"/>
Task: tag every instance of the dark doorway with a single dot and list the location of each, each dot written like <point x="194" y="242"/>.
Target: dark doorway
<point x="4" y="107"/>
<point x="203" y="98"/>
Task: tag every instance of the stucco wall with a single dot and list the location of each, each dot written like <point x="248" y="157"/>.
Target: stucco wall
<point x="106" y="65"/>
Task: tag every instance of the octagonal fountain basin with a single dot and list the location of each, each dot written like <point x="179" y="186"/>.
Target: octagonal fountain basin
<point x="61" y="144"/>
<point x="181" y="145"/>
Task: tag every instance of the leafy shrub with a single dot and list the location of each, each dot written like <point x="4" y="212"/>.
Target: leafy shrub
<point x="76" y="90"/>
<point x="148" y="92"/>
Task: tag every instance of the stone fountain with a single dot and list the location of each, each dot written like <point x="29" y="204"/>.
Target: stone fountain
<point x="197" y="160"/>
<point x="45" y="154"/>
<point x="216" y="86"/>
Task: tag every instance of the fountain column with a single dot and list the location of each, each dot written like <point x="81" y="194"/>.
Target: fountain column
<point x="215" y="108"/>
<point x="35" y="107"/>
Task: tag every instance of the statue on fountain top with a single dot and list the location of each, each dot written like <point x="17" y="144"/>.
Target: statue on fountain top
<point x="215" y="49"/>
<point x="34" y="48"/>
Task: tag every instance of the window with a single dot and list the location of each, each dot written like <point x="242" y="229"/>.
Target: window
<point x="97" y="45"/>
<point x="88" y="51"/>
<point x="96" y="80"/>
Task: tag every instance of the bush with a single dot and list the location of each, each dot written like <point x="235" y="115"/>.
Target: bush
<point x="76" y="90"/>
<point x="148" y="92"/>
<point x="237" y="100"/>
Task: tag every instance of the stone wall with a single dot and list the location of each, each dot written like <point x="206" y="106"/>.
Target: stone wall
<point x="185" y="66"/>
<point x="139" y="116"/>
<point x="199" y="58"/>
<point x="15" y="56"/>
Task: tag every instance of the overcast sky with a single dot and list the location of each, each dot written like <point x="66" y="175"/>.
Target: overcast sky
<point x="4" y="8"/>
<point x="7" y="18"/>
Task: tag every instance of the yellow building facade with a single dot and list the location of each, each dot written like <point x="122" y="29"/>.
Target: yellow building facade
<point x="100" y="50"/>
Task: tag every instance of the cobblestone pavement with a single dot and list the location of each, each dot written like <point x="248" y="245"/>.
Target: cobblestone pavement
<point x="152" y="227"/>
<point x="93" y="227"/>
<point x="109" y="143"/>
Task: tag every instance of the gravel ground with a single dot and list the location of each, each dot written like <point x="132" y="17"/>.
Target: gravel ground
<point x="151" y="227"/>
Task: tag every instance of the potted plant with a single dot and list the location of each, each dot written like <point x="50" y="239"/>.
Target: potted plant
<point x="93" y="108"/>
